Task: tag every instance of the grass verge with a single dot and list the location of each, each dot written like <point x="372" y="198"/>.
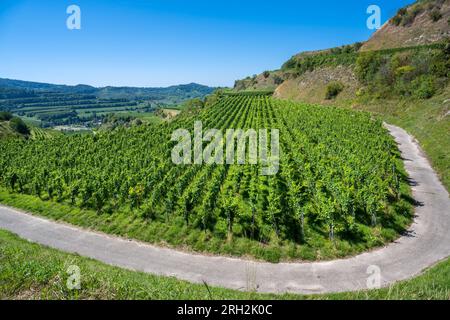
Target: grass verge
<point x="32" y="271"/>
<point x="427" y="120"/>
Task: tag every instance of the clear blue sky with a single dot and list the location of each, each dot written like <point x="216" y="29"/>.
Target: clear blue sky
<point x="166" y="42"/>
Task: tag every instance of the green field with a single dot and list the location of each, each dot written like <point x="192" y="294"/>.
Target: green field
<point x="332" y="196"/>
<point x="50" y="105"/>
<point x="69" y="108"/>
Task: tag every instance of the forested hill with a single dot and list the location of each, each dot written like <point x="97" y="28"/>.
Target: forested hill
<point x="180" y="92"/>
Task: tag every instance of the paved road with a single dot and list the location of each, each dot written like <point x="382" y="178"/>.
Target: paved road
<point x="427" y="243"/>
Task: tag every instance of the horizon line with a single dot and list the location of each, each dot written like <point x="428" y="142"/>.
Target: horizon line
<point x="114" y="86"/>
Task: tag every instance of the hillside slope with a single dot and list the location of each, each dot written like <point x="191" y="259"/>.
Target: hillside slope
<point x="401" y="75"/>
<point x="311" y="86"/>
<point x="6" y="131"/>
<point x="422" y="23"/>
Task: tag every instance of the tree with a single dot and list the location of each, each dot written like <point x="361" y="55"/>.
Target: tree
<point x="367" y="66"/>
<point x="5" y="116"/>
<point x="19" y="126"/>
<point x="435" y="15"/>
<point x="333" y="89"/>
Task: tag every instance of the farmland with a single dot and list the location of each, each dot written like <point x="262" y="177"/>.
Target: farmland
<point x="49" y="105"/>
<point x="333" y="195"/>
<point x="64" y="109"/>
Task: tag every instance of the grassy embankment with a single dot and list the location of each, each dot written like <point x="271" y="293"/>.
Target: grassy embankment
<point x="31" y="271"/>
<point x="427" y="120"/>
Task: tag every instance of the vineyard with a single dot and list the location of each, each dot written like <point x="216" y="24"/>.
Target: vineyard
<point x="339" y="190"/>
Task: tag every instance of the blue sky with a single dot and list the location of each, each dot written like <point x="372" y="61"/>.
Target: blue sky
<point x="167" y="42"/>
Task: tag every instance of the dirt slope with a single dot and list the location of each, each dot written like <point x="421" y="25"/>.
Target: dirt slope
<point x="415" y="27"/>
<point x="311" y="86"/>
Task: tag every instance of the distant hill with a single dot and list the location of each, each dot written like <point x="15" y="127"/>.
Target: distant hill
<point x="37" y="86"/>
<point x="50" y="105"/>
<point x="174" y="93"/>
<point x="185" y="91"/>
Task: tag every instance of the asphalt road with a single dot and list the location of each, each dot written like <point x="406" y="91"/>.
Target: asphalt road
<point x="427" y="242"/>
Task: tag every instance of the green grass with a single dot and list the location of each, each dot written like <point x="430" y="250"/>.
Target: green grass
<point x="32" y="271"/>
<point x="427" y="120"/>
<point x="149" y="117"/>
<point x="6" y="131"/>
<point x="143" y="115"/>
<point x="39" y="133"/>
<point x="31" y="121"/>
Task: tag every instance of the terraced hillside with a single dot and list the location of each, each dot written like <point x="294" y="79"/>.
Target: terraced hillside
<point x="338" y="191"/>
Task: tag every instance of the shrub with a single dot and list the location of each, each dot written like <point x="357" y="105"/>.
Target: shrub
<point x="193" y="104"/>
<point x="266" y="74"/>
<point x="401" y="59"/>
<point x="401" y="12"/>
<point x="396" y="20"/>
<point x="425" y="87"/>
<point x="416" y="10"/>
<point x="408" y="20"/>
<point x="278" y="80"/>
<point x="402" y="88"/>
<point x="435" y="15"/>
<point x="367" y="65"/>
<point x="5" y="116"/>
<point x="422" y="61"/>
<point x="358" y="46"/>
<point x="221" y="229"/>
<point x="407" y="17"/>
<point x="361" y="92"/>
<point x="290" y="64"/>
<point x="440" y="65"/>
<point x="333" y="90"/>
<point x="404" y="71"/>
<point x="19" y="126"/>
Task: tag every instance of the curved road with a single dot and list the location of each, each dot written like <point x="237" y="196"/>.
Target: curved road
<point x="427" y="242"/>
